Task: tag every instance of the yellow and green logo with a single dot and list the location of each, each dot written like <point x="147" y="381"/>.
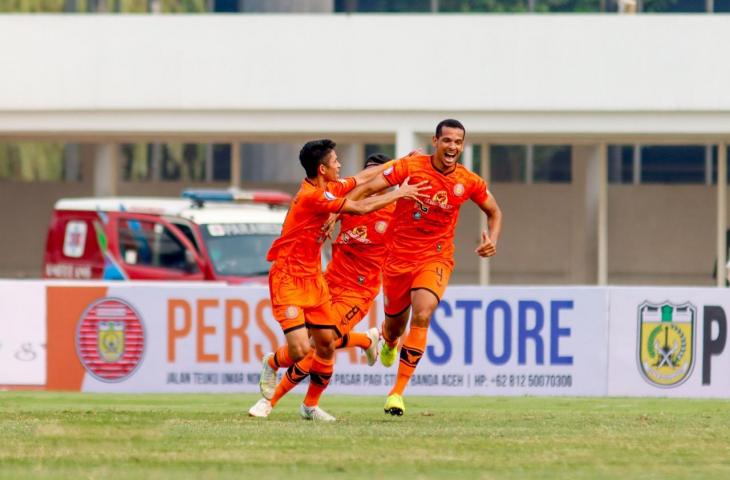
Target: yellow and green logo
<point x="666" y="342"/>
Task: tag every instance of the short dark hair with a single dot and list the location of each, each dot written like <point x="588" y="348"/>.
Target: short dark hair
<point x="451" y="123"/>
<point x="313" y="154"/>
<point x="376" y="159"/>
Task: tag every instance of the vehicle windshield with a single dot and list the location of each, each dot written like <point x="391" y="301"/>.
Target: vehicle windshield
<point x="239" y="249"/>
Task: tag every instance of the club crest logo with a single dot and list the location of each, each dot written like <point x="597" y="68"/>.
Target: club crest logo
<point x="292" y="312"/>
<point x="459" y="189"/>
<point x="666" y="342"/>
<point x="381" y="226"/>
<point x="110" y="340"/>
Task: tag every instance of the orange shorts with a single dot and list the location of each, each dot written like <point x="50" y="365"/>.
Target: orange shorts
<point x="349" y="309"/>
<point x="400" y="278"/>
<point x="299" y="302"/>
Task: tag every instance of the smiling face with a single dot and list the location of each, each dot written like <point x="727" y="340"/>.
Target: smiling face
<point x="447" y="148"/>
<point x="329" y="169"/>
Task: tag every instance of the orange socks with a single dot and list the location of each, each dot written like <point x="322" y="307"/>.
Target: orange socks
<point x="353" y="339"/>
<point x="410" y="353"/>
<point x="281" y="358"/>
<point x="319" y="377"/>
<point x="293" y="377"/>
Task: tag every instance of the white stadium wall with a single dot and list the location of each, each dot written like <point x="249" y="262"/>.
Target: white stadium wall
<point x="376" y="74"/>
<point x="157" y="337"/>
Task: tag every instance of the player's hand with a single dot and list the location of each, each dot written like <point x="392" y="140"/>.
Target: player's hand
<point x="486" y="248"/>
<point x="415" y="191"/>
<point x="329" y="225"/>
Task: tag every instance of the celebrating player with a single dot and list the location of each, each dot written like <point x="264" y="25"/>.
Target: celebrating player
<point x="353" y="277"/>
<point x="299" y="293"/>
<point x="421" y="248"/>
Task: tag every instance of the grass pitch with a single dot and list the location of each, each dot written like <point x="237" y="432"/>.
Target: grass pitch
<point x="52" y="435"/>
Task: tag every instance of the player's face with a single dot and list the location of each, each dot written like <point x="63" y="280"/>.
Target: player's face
<point x="330" y="169"/>
<point x="448" y="147"/>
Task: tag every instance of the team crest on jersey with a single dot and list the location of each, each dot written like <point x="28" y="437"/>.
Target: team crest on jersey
<point x="459" y="189"/>
<point x="441" y="198"/>
<point x="292" y="312"/>
<point x="110" y="340"/>
<point x="666" y="342"/>
<point x="329" y="196"/>
<point x="381" y="226"/>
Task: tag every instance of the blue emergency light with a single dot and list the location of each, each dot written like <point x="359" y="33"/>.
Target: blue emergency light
<point x="269" y="197"/>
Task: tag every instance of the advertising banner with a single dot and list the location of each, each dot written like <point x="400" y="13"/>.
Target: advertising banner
<point x="22" y="333"/>
<point x="669" y="342"/>
<point x="173" y="338"/>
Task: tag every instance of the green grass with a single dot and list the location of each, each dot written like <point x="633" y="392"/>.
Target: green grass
<point x="54" y="435"/>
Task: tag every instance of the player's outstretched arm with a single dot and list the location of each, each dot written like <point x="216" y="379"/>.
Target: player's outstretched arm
<point x="368" y="174"/>
<point x="370" y="204"/>
<point x="488" y="245"/>
<point x="374" y="185"/>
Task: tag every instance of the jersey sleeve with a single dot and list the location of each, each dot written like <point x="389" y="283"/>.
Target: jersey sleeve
<point x="341" y="187"/>
<point x="324" y="201"/>
<point x="397" y="172"/>
<point x="479" y="193"/>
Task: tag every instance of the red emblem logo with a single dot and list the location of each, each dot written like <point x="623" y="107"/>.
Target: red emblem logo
<point x="110" y="340"/>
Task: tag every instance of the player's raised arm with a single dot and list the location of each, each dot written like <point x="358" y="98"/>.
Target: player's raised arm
<point x="370" y="204"/>
<point x="488" y="245"/>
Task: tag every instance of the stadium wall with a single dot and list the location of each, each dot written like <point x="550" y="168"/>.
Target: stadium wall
<point x="155" y="337"/>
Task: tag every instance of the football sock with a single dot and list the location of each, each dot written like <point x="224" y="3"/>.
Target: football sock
<point x="410" y="353"/>
<point x="353" y="339"/>
<point x="319" y="378"/>
<point x="293" y="377"/>
<point x="281" y="358"/>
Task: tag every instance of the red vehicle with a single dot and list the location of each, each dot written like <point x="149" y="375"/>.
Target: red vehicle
<point x="208" y="235"/>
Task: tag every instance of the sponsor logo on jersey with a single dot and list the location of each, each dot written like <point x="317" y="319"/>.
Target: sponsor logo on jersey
<point x="110" y="340"/>
<point x="666" y="342"/>
<point x="441" y="198"/>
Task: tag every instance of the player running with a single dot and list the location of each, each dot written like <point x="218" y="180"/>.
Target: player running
<point x="353" y="277"/>
<point x="421" y="248"/>
<point x="299" y="293"/>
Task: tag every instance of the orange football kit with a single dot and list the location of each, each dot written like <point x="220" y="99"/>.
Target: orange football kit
<point x="354" y="274"/>
<point x="296" y="284"/>
<point x="421" y="248"/>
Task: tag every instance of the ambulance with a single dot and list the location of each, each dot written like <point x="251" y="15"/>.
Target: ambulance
<point x="217" y="235"/>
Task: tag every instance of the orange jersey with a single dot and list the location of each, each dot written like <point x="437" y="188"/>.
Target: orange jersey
<point x="298" y="249"/>
<point x="427" y="232"/>
<point x="358" y="253"/>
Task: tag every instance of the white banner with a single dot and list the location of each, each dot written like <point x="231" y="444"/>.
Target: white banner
<point x="22" y="333"/>
<point x="669" y="342"/>
<point x="482" y="341"/>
